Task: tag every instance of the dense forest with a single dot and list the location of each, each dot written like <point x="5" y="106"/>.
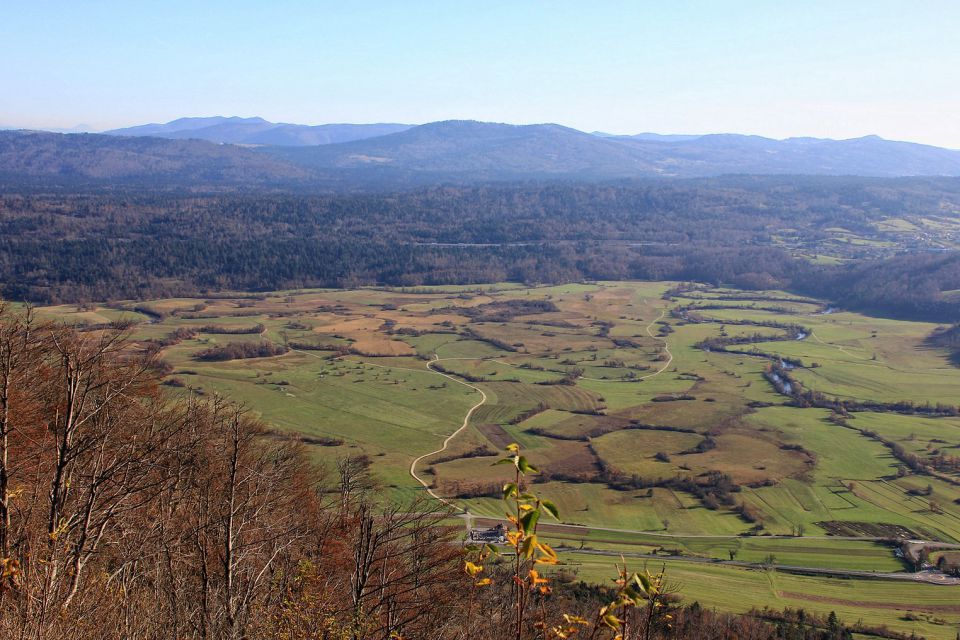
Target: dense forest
<point x="67" y="246"/>
<point x="128" y="512"/>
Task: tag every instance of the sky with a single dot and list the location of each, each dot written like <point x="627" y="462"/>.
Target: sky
<point x="778" y="68"/>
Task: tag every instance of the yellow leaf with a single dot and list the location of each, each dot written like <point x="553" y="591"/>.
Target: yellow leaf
<point x="612" y="621"/>
<point x="536" y="579"/>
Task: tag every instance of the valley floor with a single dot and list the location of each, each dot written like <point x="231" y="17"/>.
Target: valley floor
<point x="745" y="440"/>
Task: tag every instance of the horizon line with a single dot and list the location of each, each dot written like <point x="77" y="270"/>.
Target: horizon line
<point x="85" y="129"/>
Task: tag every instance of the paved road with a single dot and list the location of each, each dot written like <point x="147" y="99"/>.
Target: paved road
<point x="930" y="577"/>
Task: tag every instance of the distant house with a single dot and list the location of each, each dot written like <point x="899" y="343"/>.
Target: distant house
<point x="493" y="534"/>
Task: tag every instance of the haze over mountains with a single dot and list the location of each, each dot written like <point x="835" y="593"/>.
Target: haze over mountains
<point x="257" y="131"/>
<point x="251" y="151"/>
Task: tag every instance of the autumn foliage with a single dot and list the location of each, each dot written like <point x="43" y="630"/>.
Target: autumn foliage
<point x="127" y="514"/>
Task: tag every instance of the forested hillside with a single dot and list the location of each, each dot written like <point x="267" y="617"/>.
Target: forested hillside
<point x="59" y="160"/>
<point x="882" y="245"/>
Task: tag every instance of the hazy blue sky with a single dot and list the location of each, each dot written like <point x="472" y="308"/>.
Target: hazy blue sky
<point x="837" y="68"/>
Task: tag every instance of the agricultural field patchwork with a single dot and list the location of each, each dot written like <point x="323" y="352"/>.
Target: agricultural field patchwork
<point x="668" y="420"/>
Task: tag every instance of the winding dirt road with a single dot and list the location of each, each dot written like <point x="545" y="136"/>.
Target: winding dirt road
<point x="666" y="347"/>
<point x="448" y="439"/>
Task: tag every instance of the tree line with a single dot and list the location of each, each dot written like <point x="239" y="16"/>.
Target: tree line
<point x="70" y="246"/>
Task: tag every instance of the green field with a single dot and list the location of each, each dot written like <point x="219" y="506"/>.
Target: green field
<point x="930" y="611"/>
<point x="650" y="443"/>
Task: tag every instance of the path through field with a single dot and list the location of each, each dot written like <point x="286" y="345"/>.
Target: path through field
<point x="446" y="442"/>
<point x="448" y="439"/>
<point x="666" y="347"/>
<point x="838" y="347"/>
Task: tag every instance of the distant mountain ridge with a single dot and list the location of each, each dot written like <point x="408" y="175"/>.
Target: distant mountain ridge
<point x="469" y="149"/>
<point x="257" y="131"/>
<point x="459" y="148"/>
<point x="454" y="151"/>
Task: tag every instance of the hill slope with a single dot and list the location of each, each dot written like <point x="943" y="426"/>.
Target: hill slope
<point x="53" y="157"/>
<point x="462" y="149"/>
<point x="868" y="156"/>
